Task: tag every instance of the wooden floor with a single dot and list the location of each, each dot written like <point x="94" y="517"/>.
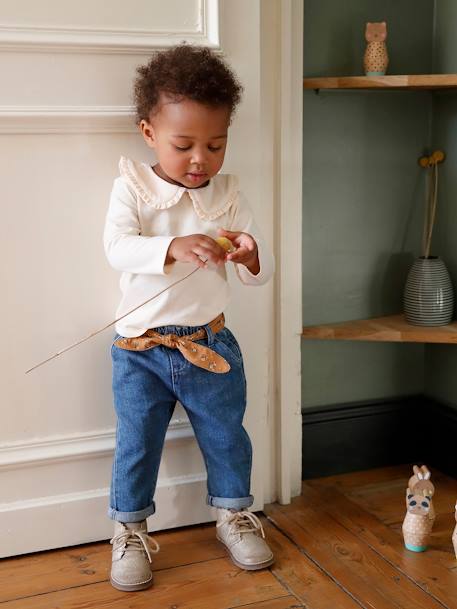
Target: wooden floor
<point x="337" y="546"/>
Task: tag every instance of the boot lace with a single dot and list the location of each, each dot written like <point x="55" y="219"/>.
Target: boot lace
<point x="137" y="541"/>
<point x="243" y="522"/>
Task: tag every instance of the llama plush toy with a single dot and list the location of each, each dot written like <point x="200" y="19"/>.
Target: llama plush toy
<point x="420" y="484"/>
<point x="376" y="59"/>
<point x="417" y="525"/>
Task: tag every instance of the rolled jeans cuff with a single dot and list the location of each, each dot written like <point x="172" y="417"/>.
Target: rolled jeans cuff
<point x="230" y="503"/>
<point x="132" y="516"/>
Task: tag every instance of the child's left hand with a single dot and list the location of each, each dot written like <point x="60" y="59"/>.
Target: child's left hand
<point x="246" y="252"/>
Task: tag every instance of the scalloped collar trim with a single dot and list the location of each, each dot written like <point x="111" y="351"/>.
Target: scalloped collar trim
<point x="209" y="202"/>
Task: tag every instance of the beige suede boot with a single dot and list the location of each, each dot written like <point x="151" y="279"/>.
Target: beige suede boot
<point x="130" y="568"/>
<point x="243" y="535"/>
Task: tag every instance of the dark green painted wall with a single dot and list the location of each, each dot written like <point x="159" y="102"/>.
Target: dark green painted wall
<point x="334" y="35"/>
<point x="363" y="195"/>
<point x="441" y="361"/>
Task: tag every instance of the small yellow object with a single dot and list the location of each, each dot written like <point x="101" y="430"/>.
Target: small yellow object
<point x="225" y="243"/>
<point x="436" y="157"/>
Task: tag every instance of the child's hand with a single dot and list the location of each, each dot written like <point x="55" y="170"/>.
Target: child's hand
<point x="246" y="250"/>
<point x="198" y="249"/>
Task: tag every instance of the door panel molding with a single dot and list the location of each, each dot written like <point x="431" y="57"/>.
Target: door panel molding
<point x="68" y="448"/>
<point x="79" y="40"/>
<point x="67" y="119"/>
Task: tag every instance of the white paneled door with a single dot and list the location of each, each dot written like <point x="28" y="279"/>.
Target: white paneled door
<point x="65" y="119"/>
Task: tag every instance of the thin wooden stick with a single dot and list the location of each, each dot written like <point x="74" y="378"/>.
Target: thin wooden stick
<point x="79" y="342"/>
<point x="434" y="198"/>
<point x="427" y="210"/>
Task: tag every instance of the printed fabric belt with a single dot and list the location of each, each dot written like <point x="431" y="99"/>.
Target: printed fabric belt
<point x="196" y="354"/>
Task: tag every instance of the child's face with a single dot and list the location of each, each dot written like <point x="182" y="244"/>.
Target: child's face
<point x="189" y="139"/>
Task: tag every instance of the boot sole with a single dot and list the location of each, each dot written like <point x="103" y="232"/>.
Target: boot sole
<point x="260" y="565"/>
<point x="131" y="587"/>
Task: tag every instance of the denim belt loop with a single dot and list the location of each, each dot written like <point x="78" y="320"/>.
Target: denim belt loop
<point x="210" y="334"/>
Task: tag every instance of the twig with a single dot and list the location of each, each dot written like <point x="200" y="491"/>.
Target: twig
<point x="433" y="200"/>
<point x="426" y="211"/>
<point x="79" y="342"/>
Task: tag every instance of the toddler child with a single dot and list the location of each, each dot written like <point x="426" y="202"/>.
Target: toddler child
<point x="161" y="224"/>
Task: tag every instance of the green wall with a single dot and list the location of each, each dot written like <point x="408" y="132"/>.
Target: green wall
<point x="441" y="361"/>
<point x="363" y="195"/>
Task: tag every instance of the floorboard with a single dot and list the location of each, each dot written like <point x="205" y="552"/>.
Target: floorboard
<point x="337" y="546"/>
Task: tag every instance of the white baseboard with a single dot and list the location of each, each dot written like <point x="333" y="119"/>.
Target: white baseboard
<point x="65" y="481"/>
<point x="79" y="518"/>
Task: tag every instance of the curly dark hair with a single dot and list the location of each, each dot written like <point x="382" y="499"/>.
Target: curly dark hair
<point x="185" y="71"/>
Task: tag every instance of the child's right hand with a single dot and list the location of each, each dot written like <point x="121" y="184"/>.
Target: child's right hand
<point x="199" y="249"/>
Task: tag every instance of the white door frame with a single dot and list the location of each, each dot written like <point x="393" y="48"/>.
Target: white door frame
<point x="289" y="251"/>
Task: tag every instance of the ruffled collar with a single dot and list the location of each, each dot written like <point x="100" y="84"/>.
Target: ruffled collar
<point x="209" y="202"/>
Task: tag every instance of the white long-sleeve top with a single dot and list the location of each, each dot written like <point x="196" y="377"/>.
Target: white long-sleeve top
<point x="145" y="213"/>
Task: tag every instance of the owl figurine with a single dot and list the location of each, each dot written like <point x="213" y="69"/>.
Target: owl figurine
<point x="376" y="60"/>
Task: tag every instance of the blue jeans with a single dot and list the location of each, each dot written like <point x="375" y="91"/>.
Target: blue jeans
<point x="146" y="386"/>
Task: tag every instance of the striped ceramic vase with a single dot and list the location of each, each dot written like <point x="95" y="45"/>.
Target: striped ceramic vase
<point x="428" y="297"/>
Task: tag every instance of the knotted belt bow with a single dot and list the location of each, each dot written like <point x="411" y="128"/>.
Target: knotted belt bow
<point x="196" y="354"/>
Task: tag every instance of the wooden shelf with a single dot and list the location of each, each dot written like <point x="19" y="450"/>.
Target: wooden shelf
<point x="408" y="81"/>
<point x="392" y="328"/>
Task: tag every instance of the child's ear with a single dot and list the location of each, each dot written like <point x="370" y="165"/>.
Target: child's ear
<point x="147" y="131"/>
